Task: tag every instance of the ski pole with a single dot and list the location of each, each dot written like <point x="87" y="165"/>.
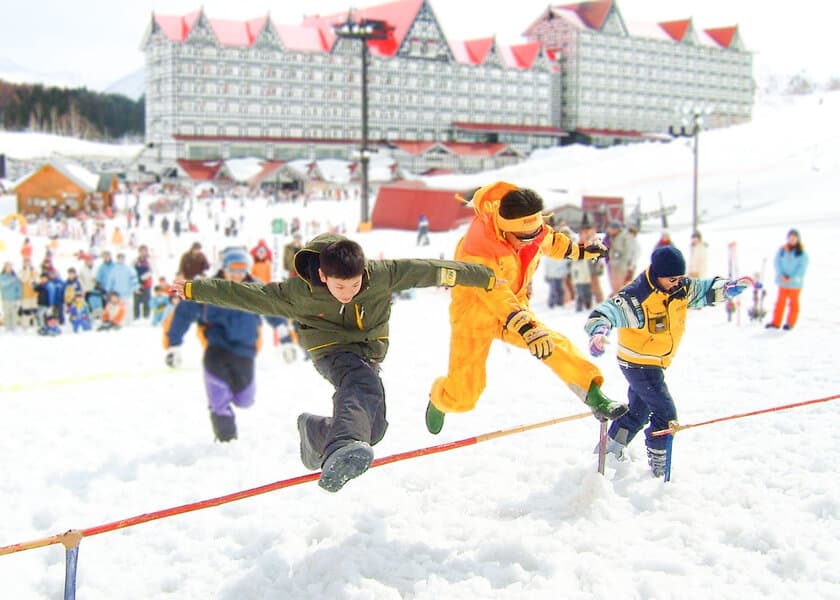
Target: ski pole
<point x="602" y="447"/>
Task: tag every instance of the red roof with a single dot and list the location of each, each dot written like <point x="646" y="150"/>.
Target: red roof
<point x="471" y="149"/>
<point x="526" y="54"/>
<point x="201" y="170"/>
<point x="237" y="33"/>
<point x="414" y="147"/>
<point x="592" y="13"/>
<point x="540" y="129"/>
<point x="676" y="29"/>
<point x="477" y="50"/>
<point x="260" y="138"/>
<point x="722" y="35"/>
<point x="458" y="148"/>
<point x="618" y="133"/>
<point x="612" y="132"/>
<point x="399" y="15"/>
<point x="177" y="28"/>
<point x="268" y="168"/>
<point x="296" y="37"/>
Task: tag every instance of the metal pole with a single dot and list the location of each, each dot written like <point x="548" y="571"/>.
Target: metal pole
<point x="696" y="164"/>
<point x="363" y="156"/>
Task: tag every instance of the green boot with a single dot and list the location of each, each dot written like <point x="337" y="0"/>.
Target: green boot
<point x="434" y="418"/>
<point x="602" y="407"/>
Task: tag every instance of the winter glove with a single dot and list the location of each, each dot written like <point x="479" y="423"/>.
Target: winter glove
<point x="538" y="339"/>
<point x="726" y="289"/>
<point x="539" y="342"/>
<point x="173" y="358"/>
<point x="598" y="340"/>
<point x="736" y="286"/>
<point x="593" y="250"/>
<point x="518" y="319"/>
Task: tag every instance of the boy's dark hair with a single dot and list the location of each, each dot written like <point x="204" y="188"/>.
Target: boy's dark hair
<point x="520" y="203"/>
<point x="343" y="259"/>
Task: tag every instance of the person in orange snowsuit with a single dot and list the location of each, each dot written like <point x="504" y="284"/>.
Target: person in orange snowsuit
<point x="508" y="234"/>
<point x="261" y="267"/>
<point x="114" y="314"/>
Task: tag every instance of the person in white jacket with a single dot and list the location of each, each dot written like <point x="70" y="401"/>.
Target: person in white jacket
<point x="697" y="256"/>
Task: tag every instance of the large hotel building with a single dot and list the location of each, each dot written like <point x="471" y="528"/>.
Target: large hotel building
<point x="221" y="89"/>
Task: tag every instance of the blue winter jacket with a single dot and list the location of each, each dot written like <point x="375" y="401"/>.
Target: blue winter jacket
<point x="650" y="321"/>
<point x="103" y="273"/>
<point x="11" y="288"/>
<point x="788" y="263"/>
<point x="122" y="279"/>
<point x="234" y="330"/>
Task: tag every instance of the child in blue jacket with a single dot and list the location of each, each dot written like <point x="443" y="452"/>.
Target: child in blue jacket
<point x="79" y="314"/>
<point x="159" y="305"/>
<point x="232" y="339"/>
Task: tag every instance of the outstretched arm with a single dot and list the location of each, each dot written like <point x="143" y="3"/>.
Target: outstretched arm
<point x="259" y="298"/>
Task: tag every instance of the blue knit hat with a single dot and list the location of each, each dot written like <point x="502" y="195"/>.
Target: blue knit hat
<point x="666" y="261"/>
<point x="235" y="260"/>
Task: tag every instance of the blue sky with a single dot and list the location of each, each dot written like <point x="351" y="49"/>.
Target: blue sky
<point x="96" y="42"/>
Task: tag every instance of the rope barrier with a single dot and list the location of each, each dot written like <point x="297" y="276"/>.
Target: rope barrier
<point x="674" y="427"/>
<point x="73" y="537"/>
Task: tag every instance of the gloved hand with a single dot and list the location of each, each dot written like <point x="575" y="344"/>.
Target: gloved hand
<point x="593" y="249"/>
<point x="736" y="286"/>
<point x="173" y="357"/>
<point x="598" y="340"/>
<point x="519" y="319"/>
<point x="539" y="342"/>
<point x="538" y="339"/>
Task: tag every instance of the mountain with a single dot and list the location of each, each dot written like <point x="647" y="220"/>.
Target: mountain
<point x="14" y="73"/>
<point x="132" y="85"/>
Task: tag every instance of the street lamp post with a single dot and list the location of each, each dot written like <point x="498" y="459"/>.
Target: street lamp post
<point x="696" y="122"/>
<point x="363" y="30"/>
<point x="692" y="123"/>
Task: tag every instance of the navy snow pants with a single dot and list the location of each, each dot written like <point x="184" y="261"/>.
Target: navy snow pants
<point x="650" y="401"/>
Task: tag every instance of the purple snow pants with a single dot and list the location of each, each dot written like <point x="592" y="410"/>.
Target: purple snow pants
<point x="228" y="379"/>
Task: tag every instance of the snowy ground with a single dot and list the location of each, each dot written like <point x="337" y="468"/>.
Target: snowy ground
<point x="97" y="429"/>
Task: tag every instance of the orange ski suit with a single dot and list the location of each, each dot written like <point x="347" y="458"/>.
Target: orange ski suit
<point x="478" y="317"/>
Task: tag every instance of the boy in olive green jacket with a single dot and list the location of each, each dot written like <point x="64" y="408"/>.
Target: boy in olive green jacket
<point x="341" y="303"/>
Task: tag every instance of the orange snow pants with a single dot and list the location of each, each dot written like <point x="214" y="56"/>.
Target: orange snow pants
<point x="460" y="389"/>
<point x="787" y="296"/>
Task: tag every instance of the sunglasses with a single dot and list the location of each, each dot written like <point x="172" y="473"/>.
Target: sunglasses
<point x="529" y="237"/>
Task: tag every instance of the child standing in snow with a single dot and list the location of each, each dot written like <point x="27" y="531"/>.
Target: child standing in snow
<point x="650" y="314"/>
<point x="342" y="304"/>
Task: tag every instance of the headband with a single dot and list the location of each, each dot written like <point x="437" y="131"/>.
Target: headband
<point x="524" y="224"/>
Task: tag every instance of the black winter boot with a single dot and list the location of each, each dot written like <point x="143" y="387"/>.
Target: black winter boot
<point x="224" y="427"/>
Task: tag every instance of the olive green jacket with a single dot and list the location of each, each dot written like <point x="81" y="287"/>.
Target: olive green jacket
<point x="324" y="324"/>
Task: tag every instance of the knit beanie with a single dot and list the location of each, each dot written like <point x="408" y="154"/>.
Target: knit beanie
<point x="235" y="260"/>
<point x="666" y="261"/>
